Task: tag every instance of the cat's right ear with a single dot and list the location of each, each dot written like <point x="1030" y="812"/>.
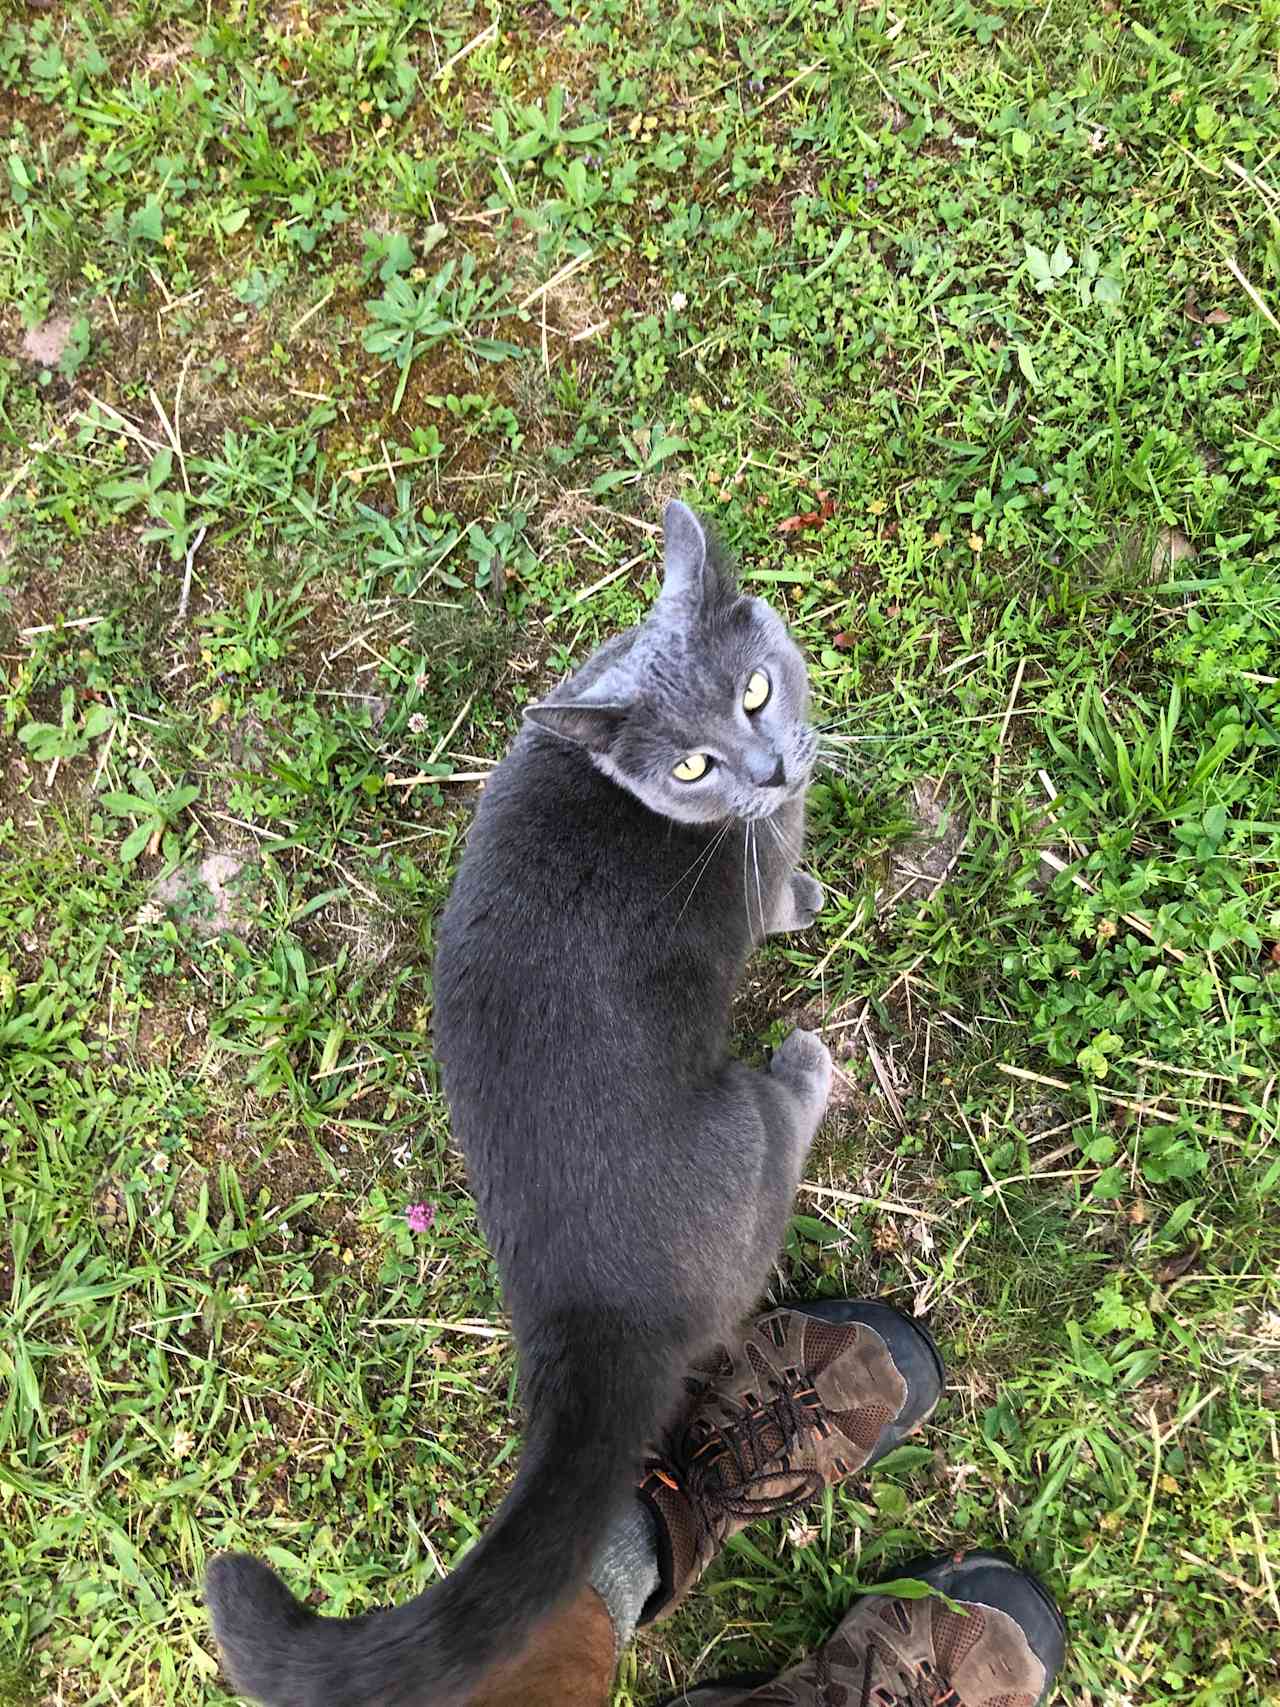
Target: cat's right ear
<point x="688" y="574"/>
<point x="595" y="727"/>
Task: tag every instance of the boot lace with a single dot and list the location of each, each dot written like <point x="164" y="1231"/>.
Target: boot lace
<point x="725" y="1467"/>
<point x="922" y="1686"/>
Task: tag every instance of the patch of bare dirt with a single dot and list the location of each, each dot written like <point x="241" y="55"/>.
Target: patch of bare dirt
<point x="162" y="61"/>
<point x="47" y="343"/>
<point x="919" y="867"/>
<point x="170" y="1032"/>
<point x="1168" y="550"/>
<point x="776" y="205"/>
<point x="214" y="898"/>
<point x="370" y="932"/>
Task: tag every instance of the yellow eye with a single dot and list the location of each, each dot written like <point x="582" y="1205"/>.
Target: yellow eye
<point x="691" y="767"/>
<point x="758" y="690"/>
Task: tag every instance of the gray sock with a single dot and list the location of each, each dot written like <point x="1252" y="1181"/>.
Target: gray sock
<point x="625" y="1571"/>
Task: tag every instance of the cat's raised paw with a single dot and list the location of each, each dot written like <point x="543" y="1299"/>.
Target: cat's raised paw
<point x="807" y="896"/>
<point x="803" y="1063"/>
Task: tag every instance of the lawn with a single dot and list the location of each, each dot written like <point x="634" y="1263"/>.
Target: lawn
<point x="348" y="352"/>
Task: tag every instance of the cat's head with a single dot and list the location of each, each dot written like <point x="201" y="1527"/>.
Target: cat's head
<point x="702" y="711"/>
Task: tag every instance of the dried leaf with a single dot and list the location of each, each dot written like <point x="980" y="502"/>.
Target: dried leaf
<point x="811" y="518"/>
<point x="1177" y="1264"/>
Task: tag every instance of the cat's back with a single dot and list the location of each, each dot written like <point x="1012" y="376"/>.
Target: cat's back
<point x="555" y="850"/>
<point x="561" y="950"/>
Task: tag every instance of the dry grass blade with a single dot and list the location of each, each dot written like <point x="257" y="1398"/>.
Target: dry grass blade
<point x="859" y="1200"/>
<point x="886" y="1085"/>
<point x="1252" y="294"/>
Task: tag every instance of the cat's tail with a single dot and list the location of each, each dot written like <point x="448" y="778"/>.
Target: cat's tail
<point x="594" y="1400"/>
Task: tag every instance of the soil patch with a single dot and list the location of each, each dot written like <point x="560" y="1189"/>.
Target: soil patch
<point x="47" y="343"/>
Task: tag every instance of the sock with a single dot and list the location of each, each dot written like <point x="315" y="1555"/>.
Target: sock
<point x="625" y="1571"/>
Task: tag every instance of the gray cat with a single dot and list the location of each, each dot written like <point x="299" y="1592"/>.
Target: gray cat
<point x="633" y="1179"/>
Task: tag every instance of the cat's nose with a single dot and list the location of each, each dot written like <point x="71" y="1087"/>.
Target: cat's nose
<point x="766" y="769"/>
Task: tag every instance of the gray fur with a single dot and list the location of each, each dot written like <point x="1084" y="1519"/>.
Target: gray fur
<point x="674" y="685"/>
<point x="633" y="1179"/>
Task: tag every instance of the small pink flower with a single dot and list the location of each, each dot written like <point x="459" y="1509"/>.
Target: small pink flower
<point x="420" y="1216"/>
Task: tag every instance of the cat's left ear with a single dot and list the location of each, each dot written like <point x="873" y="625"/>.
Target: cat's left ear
<point x="595" y="727"/>
<point x="689" y="574"/>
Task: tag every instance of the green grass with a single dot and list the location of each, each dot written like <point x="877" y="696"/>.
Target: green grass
<point x="395" y="334"/>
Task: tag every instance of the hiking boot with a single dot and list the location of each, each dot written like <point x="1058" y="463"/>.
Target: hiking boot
<point x="1003" y="1649"/>
<point x="807" y="1396"/>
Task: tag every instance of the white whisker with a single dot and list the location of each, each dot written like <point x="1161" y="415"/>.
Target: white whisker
<point x="759" y="898"/>
<point x="841" y="758"/>
<point x="703" y="852"/>
<point x="775" y="832"/>
<point x="707" y="856"/>
<point x="827" y="734"/>
<point x="746" y="888"/>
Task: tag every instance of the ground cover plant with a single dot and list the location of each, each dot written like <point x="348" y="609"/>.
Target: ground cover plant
<point x="347" y="354"/>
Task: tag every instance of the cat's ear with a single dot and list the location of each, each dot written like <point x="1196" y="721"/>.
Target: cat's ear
<point x="595" y="727"/>
<point x="689" y="575"/>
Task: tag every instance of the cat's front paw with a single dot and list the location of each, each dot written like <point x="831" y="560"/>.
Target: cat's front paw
<point x="807" y="896"/>
<point x="803" y="1062"/>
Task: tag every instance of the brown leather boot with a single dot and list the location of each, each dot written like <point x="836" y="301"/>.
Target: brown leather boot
<point x="807" y="1396"/>
<point x="1003" y="1648"/>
